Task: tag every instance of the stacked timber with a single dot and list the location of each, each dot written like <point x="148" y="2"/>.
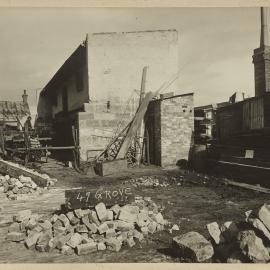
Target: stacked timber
<point x="88" y="230"/>
<point x="34" y="143"/>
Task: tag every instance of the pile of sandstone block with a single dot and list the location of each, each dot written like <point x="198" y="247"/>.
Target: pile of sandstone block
<point x="155" y="181"/>
<point x="15" y="187"/>
<point x="246" y="241"/>
<point x="88" y="230"/>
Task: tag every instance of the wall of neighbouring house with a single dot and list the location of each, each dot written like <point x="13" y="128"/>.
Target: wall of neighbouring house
<point x="72" y="76"/>
<point x="44" y="107"/>
<point x="75" y="98"/>
<point x="170" y="129"/>
<point x="116" y="61"/>
<point x="115" y="66"/>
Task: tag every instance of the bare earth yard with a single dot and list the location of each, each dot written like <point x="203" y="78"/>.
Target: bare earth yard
<point x="190" y="200"/>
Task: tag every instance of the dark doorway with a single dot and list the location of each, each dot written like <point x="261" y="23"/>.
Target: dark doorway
<point x="65" y="99"/>
<point x="63" y="135"/>
<point x="152" y="124"/>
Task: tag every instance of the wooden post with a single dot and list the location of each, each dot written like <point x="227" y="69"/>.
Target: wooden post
<point x="2" y="142"/>
<point x="76" y="150"/>
<point x="141" y="129"/>
<point x="27" y="146"/>
<point x="135" y="125"/>
<point x="147" y="147"/>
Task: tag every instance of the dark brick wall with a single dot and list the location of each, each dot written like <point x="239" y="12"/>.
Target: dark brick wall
<point x="261" y="60"/>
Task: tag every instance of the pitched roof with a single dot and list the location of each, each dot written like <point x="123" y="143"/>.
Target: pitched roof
<point x="10" y="109"/>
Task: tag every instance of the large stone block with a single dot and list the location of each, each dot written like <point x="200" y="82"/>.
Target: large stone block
<point x="15" y="236"/>
<point x="215" y="232"/>
<point x="113" y="244"/>
<point x="124" y="226"/>
<point x="73" y="220"/>
<point x="193" y="246"/>
<point x="103" y="228"/>
<point x="86" y="248"/>
<point x="23" y="215"/>
<point x="14" y="227"/>
<point x="75" y="240"/>
<point x="32" y="239"/>
<point x="256" y="223"/>
<point x="264" y="215"/>
<point x="111" y="167"/>
<point x="128" y="213"/>
<point x="252" y="247"/>
<point x="101" y="211"/>
<point x="94" y="218"/>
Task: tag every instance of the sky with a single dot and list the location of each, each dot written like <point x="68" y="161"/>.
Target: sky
<point x="215" y="45"/>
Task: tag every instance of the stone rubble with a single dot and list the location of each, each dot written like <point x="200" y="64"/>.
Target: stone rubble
<point x="84" y="231"/>
<point x="43" y="175"/>
<point x="16" y="187"/>
<point x="244" y="241"/>
<point x="155" y="181"/>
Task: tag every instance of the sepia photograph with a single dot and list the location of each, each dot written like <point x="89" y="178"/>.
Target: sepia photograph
<point x="134" y="135"/>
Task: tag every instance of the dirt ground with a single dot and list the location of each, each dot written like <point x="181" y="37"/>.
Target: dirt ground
<point x="190" y="200"/>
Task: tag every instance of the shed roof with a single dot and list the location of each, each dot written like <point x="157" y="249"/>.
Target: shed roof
<point x="10" y="109"/>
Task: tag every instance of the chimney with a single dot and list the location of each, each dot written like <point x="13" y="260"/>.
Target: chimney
<point x="261" y="58"/>
<point x="25" y="97"/>
<point x="264" y="28"/>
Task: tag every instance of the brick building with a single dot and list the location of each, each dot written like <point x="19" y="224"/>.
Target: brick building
<point x="170" y="125"/>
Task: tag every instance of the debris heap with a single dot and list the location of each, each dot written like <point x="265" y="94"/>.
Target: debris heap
<point x="155" y="181"/>
<point x="14" y="187"/>
<point x="88" y="230"/>
<point x="232" y="242"/>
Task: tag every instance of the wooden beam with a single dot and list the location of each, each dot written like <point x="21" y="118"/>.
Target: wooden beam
<point x="135" y="125"/>
<point x="44" y="148"/>
<point x="243" y="165"/>
<point x="247" y="186"/>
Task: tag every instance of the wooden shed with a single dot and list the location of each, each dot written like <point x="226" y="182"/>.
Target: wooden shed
<point x="245" y="117"/>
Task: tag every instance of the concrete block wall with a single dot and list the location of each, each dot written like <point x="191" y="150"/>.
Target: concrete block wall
<point x="116" y="61"/>
<point x="97" y="126"/>
<point x="177" y="125"/>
